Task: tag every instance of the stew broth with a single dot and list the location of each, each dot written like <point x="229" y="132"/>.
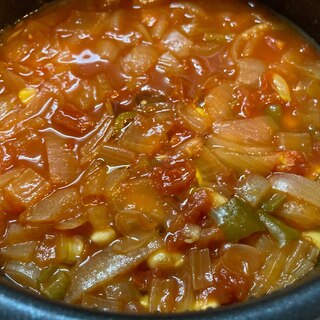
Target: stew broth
<point x="158" y="156"/>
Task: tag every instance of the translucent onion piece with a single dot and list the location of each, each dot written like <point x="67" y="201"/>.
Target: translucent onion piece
<point x="297" y="186"/>
<point x="62" y="160"/>
<point x="94" y="182"/>
<point x="113" y="182"/>
<point x="99" y="136"/>
<point x="259" y="130"/>
<point x="17" y="233"/>
<point x="199" y="262"/>
<point x="300" y="141"/>
<point x="99" y="216"/>
<point x="12" y="81"/>
<point x="162" y="295"/>
<point x="132" y="242"/>
<point x="261" y="164"/>
<point x="160" y="28"/>
<point x="128" y="221"/>
<point x="189" y="148"/>
<point x="177" y="43"/>
<point x="72" y="223"/>
<point x="253" y="189"/>
<point x="107" y="49"/>
<point x="8" y="104"/>
<point x="6" y="177"/>
<point x="83" y="24"/>
<point x="300" y="214"/>
<point x="26" y="274"/>
<point x="116" y="156"/>
<point x="123" y="290"/>
<point x="242" y="259"/>
<point x="254" y="149"/>
<point x="143" y="135"/>
<point x="217" y="101"/>
<point x="25" y="190"/>
<point x="283" y="266"/>
<point x="194" y="118"/>
<point x="256" y="31"/>
<point x="209" y="168"/>
<point x="185" y="299"/>
<point x="104" y="266"/>
<point x="250" y="71"/>
<point x="139" y="60"/>
<point x="21" y="251"/>
<point x="169" y="64"/>
<point x="59" y="206"/>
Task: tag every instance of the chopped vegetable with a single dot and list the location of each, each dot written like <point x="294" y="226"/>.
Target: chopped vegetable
<point x="139" y="60"/>
<point x="280" y="85"/>
<point x="24" y="191"/>
<point x="250" y="70"/>
<point x="122" y="120"/>
<point x="60" y="205"/>
<point x="158" y="156"/>
<point x="297" y="186"/>
<point x="237" y="219"/>
<point x="274" y="203"/>
<point x="177" y="43"/>
<point x="253" y="189"/>
<point x="281" y="232"/>
<point x="56" y="288"/>
<point x="25" y="95"/>
<point x="62" y="161"/>
<point x="104" y="266"/>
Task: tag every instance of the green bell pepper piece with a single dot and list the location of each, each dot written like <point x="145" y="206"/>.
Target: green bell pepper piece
<point x="278" y="230"/>
<point x="237" y="219"/>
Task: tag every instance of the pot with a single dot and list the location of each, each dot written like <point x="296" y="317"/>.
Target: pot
<point x="297" y="302"/>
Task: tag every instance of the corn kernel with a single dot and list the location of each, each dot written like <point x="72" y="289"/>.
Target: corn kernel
<point x="26" y="94"/>
<point x="103" y="237"/>
<point x="164" y="259"/>
<point x="70" y="248"/>
<point x="201" y="111"/>
<point x="144" y="301"/>
<point x="199" y="177"/>
<point x="314" y="236"/>
<point x="203" y="305"/>
<point x="191" y="233"/>
<point x="280" y="85"/>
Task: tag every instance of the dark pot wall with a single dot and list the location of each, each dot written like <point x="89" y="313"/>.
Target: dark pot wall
<point x="299" y="302"/>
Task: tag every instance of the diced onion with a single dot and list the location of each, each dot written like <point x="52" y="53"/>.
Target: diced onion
<point x="250" y="70"/>
<point x="139" y="60"/>
<point x="217" y="101"/>
<point x="162" y="297"/>
<point x="104" y="266"/>
<point x="261" y="164"/>
<point x="297" y="186"/>
<point x="24" y="273"/>
<point x="242" y="259"/>
<point x="253" y="189"/>
<point x="258" y="130"/>
<point x="60" y="205"/>
<point x="168" y="63"/>
<point x="196" y="120"/>
<point x="299" y="141"/>
<point x="177" y="43"/>
<point x="201" y="270"/>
